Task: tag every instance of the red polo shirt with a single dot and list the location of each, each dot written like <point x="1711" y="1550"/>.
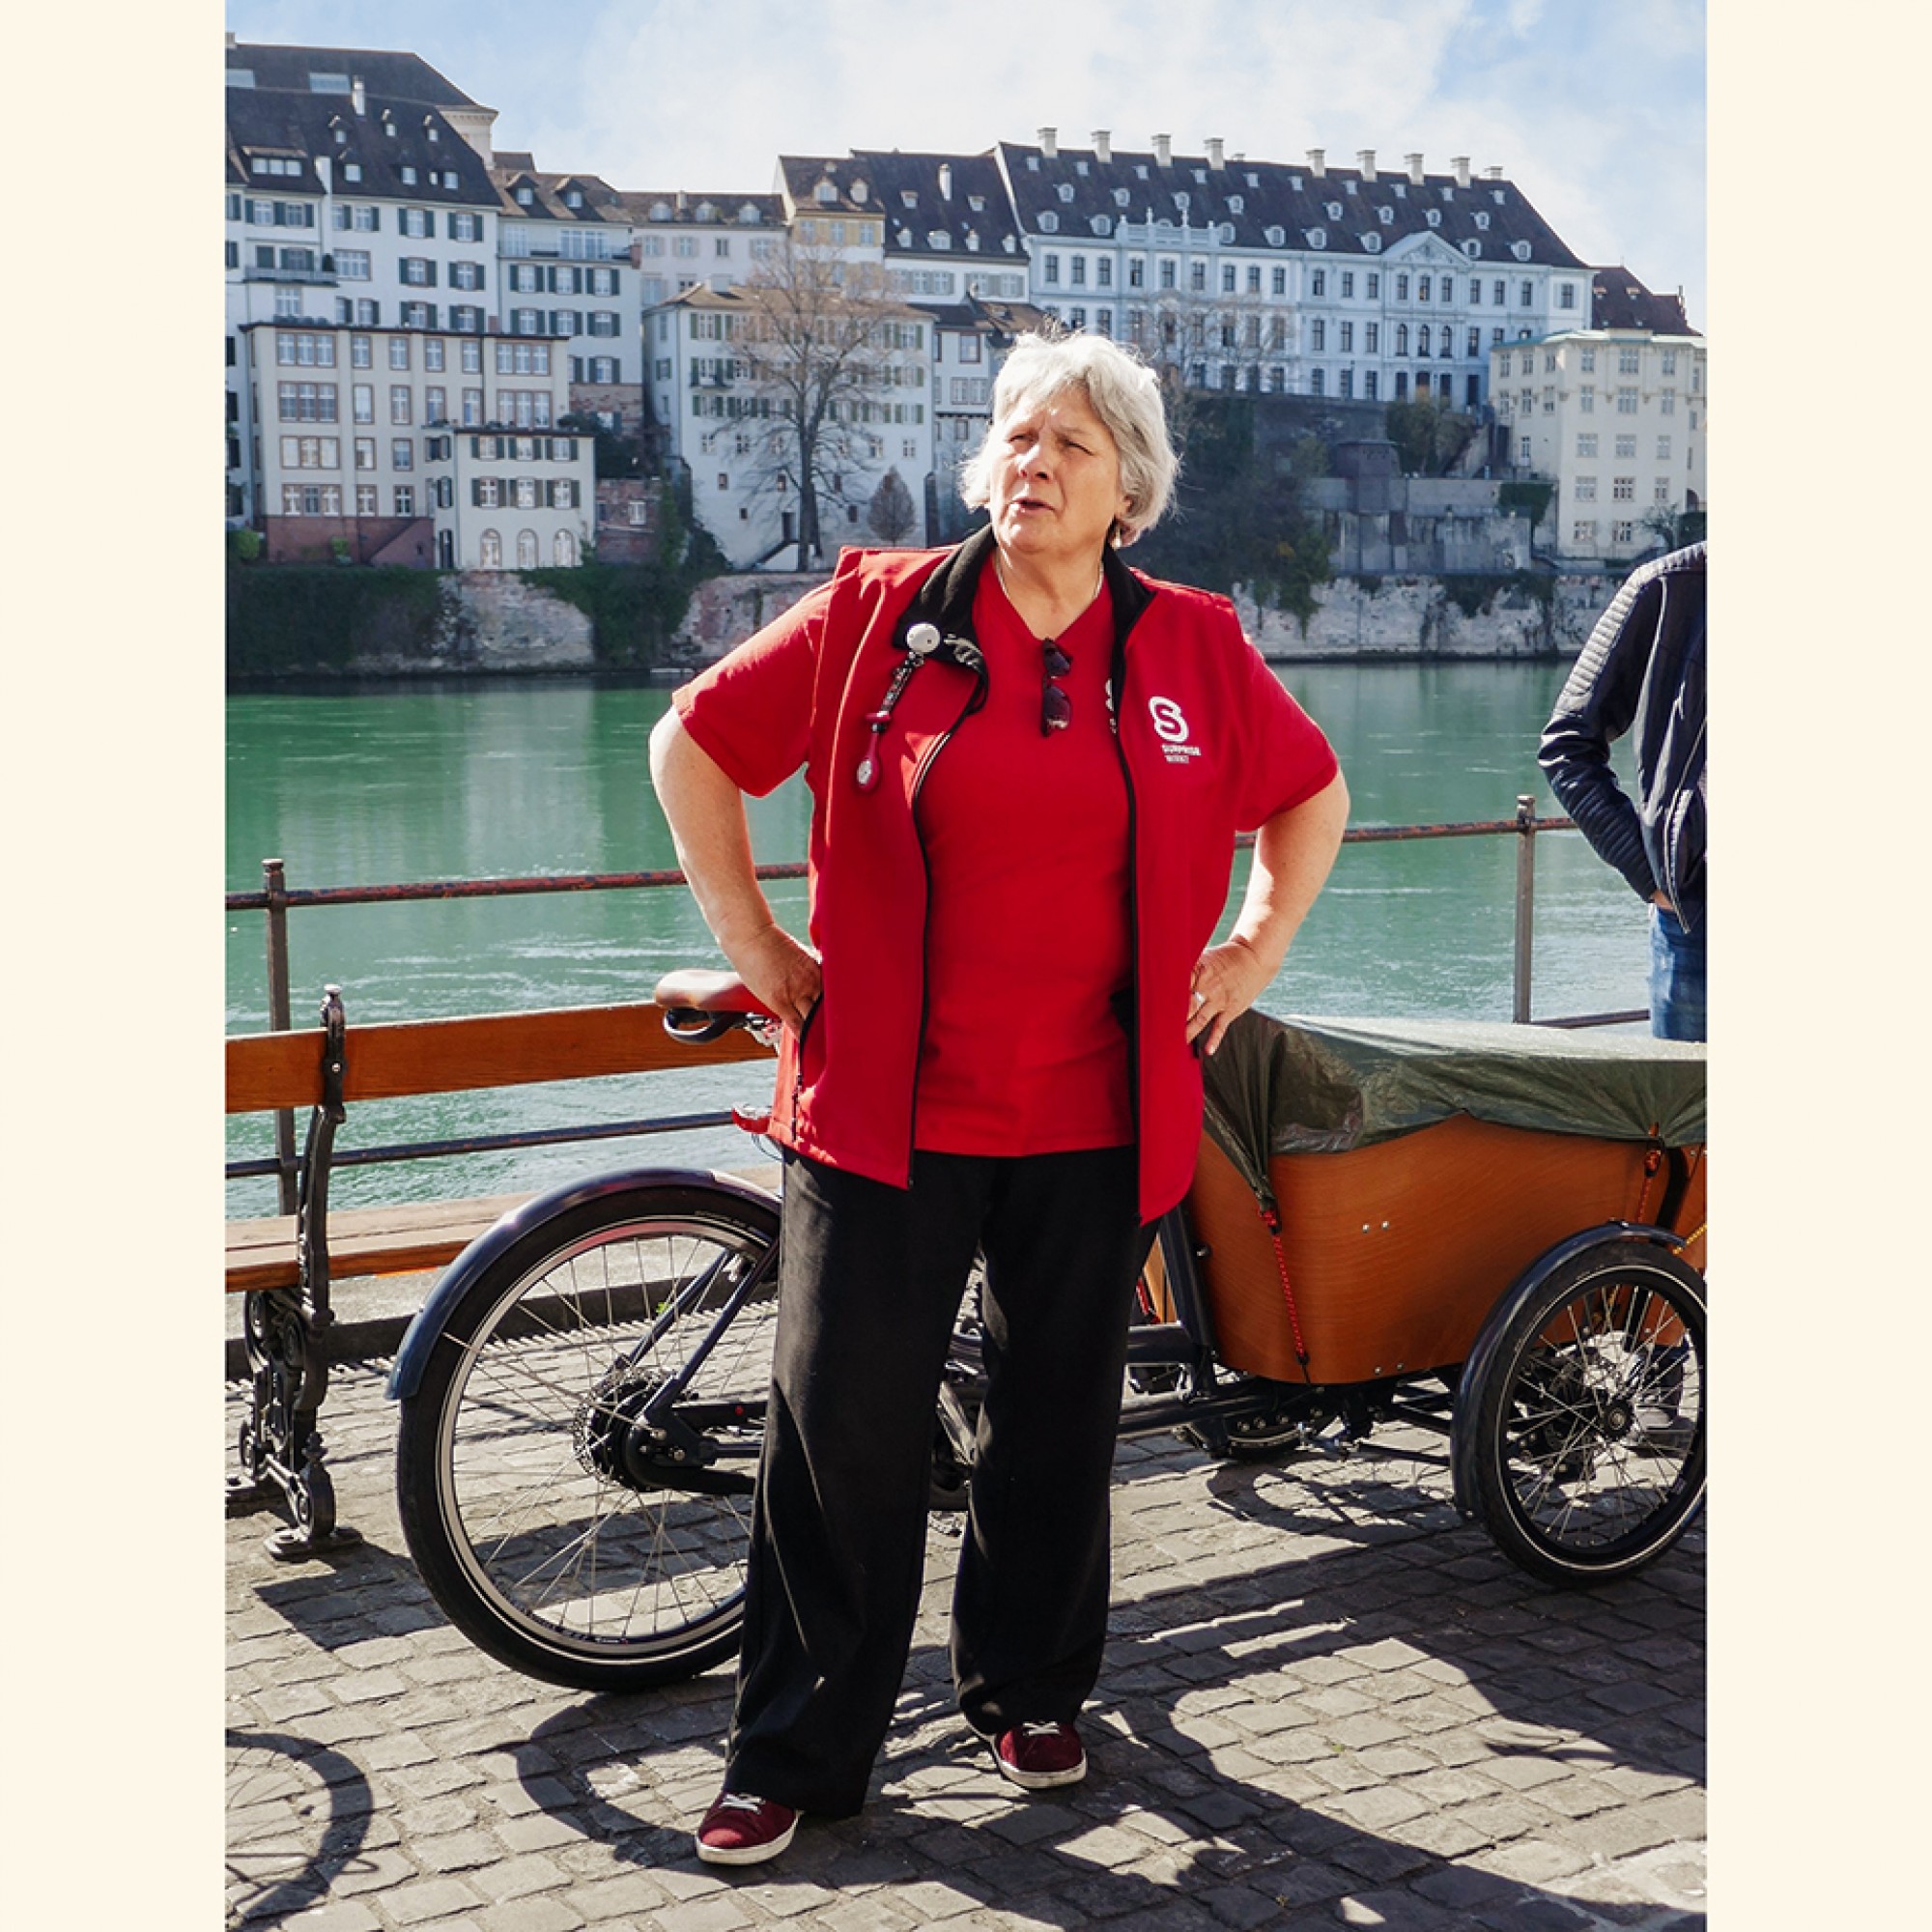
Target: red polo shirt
<point x="1029" y="952"/>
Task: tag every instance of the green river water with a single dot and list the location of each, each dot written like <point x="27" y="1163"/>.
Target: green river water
<point x="392" y="784"/>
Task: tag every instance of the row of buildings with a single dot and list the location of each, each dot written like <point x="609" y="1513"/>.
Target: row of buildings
<point x="422" y="328"/>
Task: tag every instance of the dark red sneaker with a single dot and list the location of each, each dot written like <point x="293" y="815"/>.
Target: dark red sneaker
<point x="1040" y="1756"/>
<point x="741" y="1829"/>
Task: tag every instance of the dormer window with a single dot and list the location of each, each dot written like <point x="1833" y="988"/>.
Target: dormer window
<point x="1032" y="165"/>
<point x="351" y="171"/>
<point x="707" y="211"/>
<point x="408" y="175"/>
<point x="1497" y="195"/>
<point x="1201" y="176"/>
<point x="1049" y="222"/>
<point x="1066" y="191"/>
<point x="1334" y="210"/>
<point x="1180" y="199"/>
<point x="939" y="238"/>
<point x="1079" y="168"/>
<point x="1434" y="217"/>
<point x="1121" y="197"/>
<point x="1227" y="232"/>
<point x="1236" y="204"/>
<point x="1371" y="242"/>
<point x="1102" y="225"/>
<point x="1276" y="237"/>
<point x="1520" y="250"/>
<point x="1473" y="249"/>
<point x="1482" y="218"/>
<point x="908" y="198"/>
<point x="1401" y="190"/>
<point x="748" y="212"/>
<point x="826" y="193"/>
<point x="1385" y="215"/>
<point x="342" y="137"/>
<point x="1318" y="238"/>
<point x="433" y="131"/>
<point x="861" y="193"/>
<point x="976" y="203"/>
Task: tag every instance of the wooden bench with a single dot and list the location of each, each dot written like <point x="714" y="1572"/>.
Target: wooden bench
<point x="285" y="1263"/>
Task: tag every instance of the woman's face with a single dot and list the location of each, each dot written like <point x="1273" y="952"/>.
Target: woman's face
<point x="1056" y="485"/>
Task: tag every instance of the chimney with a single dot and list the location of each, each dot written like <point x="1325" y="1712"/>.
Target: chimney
<point x="945" y="180"/>
<point x="1163" y="151"/>
<point x="1414" y="168"/>
<point x="1049" y="144"/>
<point x="1366" y="162"/>
<point x="1492" y="174"/>
<point x="1317" y="165"/>
<point x="228" y="40"/>
<point x="1460" y="163"/>
<point x="1215" y="158"/>
<point x="357" y="95"/>
<point x="1103" y="146"/>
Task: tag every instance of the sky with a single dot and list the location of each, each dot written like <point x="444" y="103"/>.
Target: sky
<point x="1595" y="112"/>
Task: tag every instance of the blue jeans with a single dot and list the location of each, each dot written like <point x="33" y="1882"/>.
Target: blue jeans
<point x="1676" y="977"/>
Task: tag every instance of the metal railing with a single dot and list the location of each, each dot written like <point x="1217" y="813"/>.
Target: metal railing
<point x="277" y="898"/>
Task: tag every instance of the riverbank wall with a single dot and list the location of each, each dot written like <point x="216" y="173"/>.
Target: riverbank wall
<point x="1505" y="616"/>
<point x="286" y="623"/>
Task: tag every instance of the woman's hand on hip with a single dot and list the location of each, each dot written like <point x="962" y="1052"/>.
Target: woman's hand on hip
<point x="1228" y="980"/>
<point x="781" y="972"/>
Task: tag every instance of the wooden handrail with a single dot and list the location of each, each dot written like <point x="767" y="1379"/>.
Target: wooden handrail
<point x="450" y="1056"/>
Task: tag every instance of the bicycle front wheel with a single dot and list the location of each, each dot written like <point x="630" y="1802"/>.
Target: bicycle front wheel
<point x="564" y="1529"/>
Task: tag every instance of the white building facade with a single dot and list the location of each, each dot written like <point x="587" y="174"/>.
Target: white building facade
<point x="346" y="420"/>
<point x="1366" y="283"/>
<point x="1618" y="420"/>
<point x="344" y="207"/>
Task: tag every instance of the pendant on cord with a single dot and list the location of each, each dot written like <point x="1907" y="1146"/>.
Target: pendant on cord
<point x="922" y="641"/>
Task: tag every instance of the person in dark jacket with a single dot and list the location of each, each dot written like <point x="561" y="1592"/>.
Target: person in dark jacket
<point x="1028" y="765"/>
<point x="1642" y="671"/>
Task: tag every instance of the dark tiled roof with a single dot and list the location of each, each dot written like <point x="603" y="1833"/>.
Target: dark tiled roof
<point x="1075" y="196"/>
<point x="598" y="199"/>
<point x="1619" y="301"/>
<point x="398" y="77"/>
<point x="308" y="123"/>
<point x="723" y="211"/>
<point x="910" y="193"/>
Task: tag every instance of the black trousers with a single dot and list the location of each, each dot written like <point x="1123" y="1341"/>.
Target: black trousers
<point x="871" y="1279"/>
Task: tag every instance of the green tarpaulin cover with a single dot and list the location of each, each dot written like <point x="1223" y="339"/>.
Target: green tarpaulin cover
<point x="1322" y="1086"/>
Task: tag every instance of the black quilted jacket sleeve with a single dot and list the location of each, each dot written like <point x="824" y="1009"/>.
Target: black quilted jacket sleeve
<point x="1598" y="703"/>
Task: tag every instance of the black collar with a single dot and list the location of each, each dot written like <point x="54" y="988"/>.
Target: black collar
<point x="945" y="600"/>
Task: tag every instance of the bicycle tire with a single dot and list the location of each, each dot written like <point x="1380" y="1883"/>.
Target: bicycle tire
<point x="1590" y="1416"/>
<point x="535" y="1541"/>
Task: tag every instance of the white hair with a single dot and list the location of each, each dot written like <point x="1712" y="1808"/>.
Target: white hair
<point x="1120" y="388"/>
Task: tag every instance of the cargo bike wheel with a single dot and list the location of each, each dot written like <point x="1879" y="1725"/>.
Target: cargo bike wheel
<point x="1579" y="1418"/>
<point x="575" y="1463"/>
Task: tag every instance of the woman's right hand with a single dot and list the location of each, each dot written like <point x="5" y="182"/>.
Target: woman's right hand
<point x="781" y="972"/>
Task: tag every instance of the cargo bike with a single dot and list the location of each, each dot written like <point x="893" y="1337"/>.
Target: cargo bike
<point x="1493" y="1232"/>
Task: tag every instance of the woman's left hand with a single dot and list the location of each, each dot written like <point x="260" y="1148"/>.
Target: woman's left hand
<point x="1228" y="980"/>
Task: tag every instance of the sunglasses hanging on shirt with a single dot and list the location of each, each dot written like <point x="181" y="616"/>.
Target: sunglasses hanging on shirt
<point x="1056" y="707"/>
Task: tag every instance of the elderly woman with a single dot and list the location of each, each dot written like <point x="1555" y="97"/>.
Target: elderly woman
<point x="1028" y="765"/>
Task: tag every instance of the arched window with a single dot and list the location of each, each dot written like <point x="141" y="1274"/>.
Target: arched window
<point x="1422" y="340"/>
<point x="563" y="549"/>
<point x="527" y="550"/>
<point x="1402" y="338"/>
<point x="490" y="551"/>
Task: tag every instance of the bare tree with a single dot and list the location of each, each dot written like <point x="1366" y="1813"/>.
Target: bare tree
<point x="823" y="350"/>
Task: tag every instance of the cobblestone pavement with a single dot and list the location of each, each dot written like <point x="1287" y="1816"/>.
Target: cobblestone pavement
<point x="1328" y="1701"/>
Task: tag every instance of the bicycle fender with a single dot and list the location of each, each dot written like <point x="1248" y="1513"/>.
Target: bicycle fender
<point x="1476" y="1370"/>
<point x="455" y="1281"/>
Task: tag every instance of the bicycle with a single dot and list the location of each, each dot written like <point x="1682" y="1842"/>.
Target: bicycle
<point x="582" y="1395"/>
